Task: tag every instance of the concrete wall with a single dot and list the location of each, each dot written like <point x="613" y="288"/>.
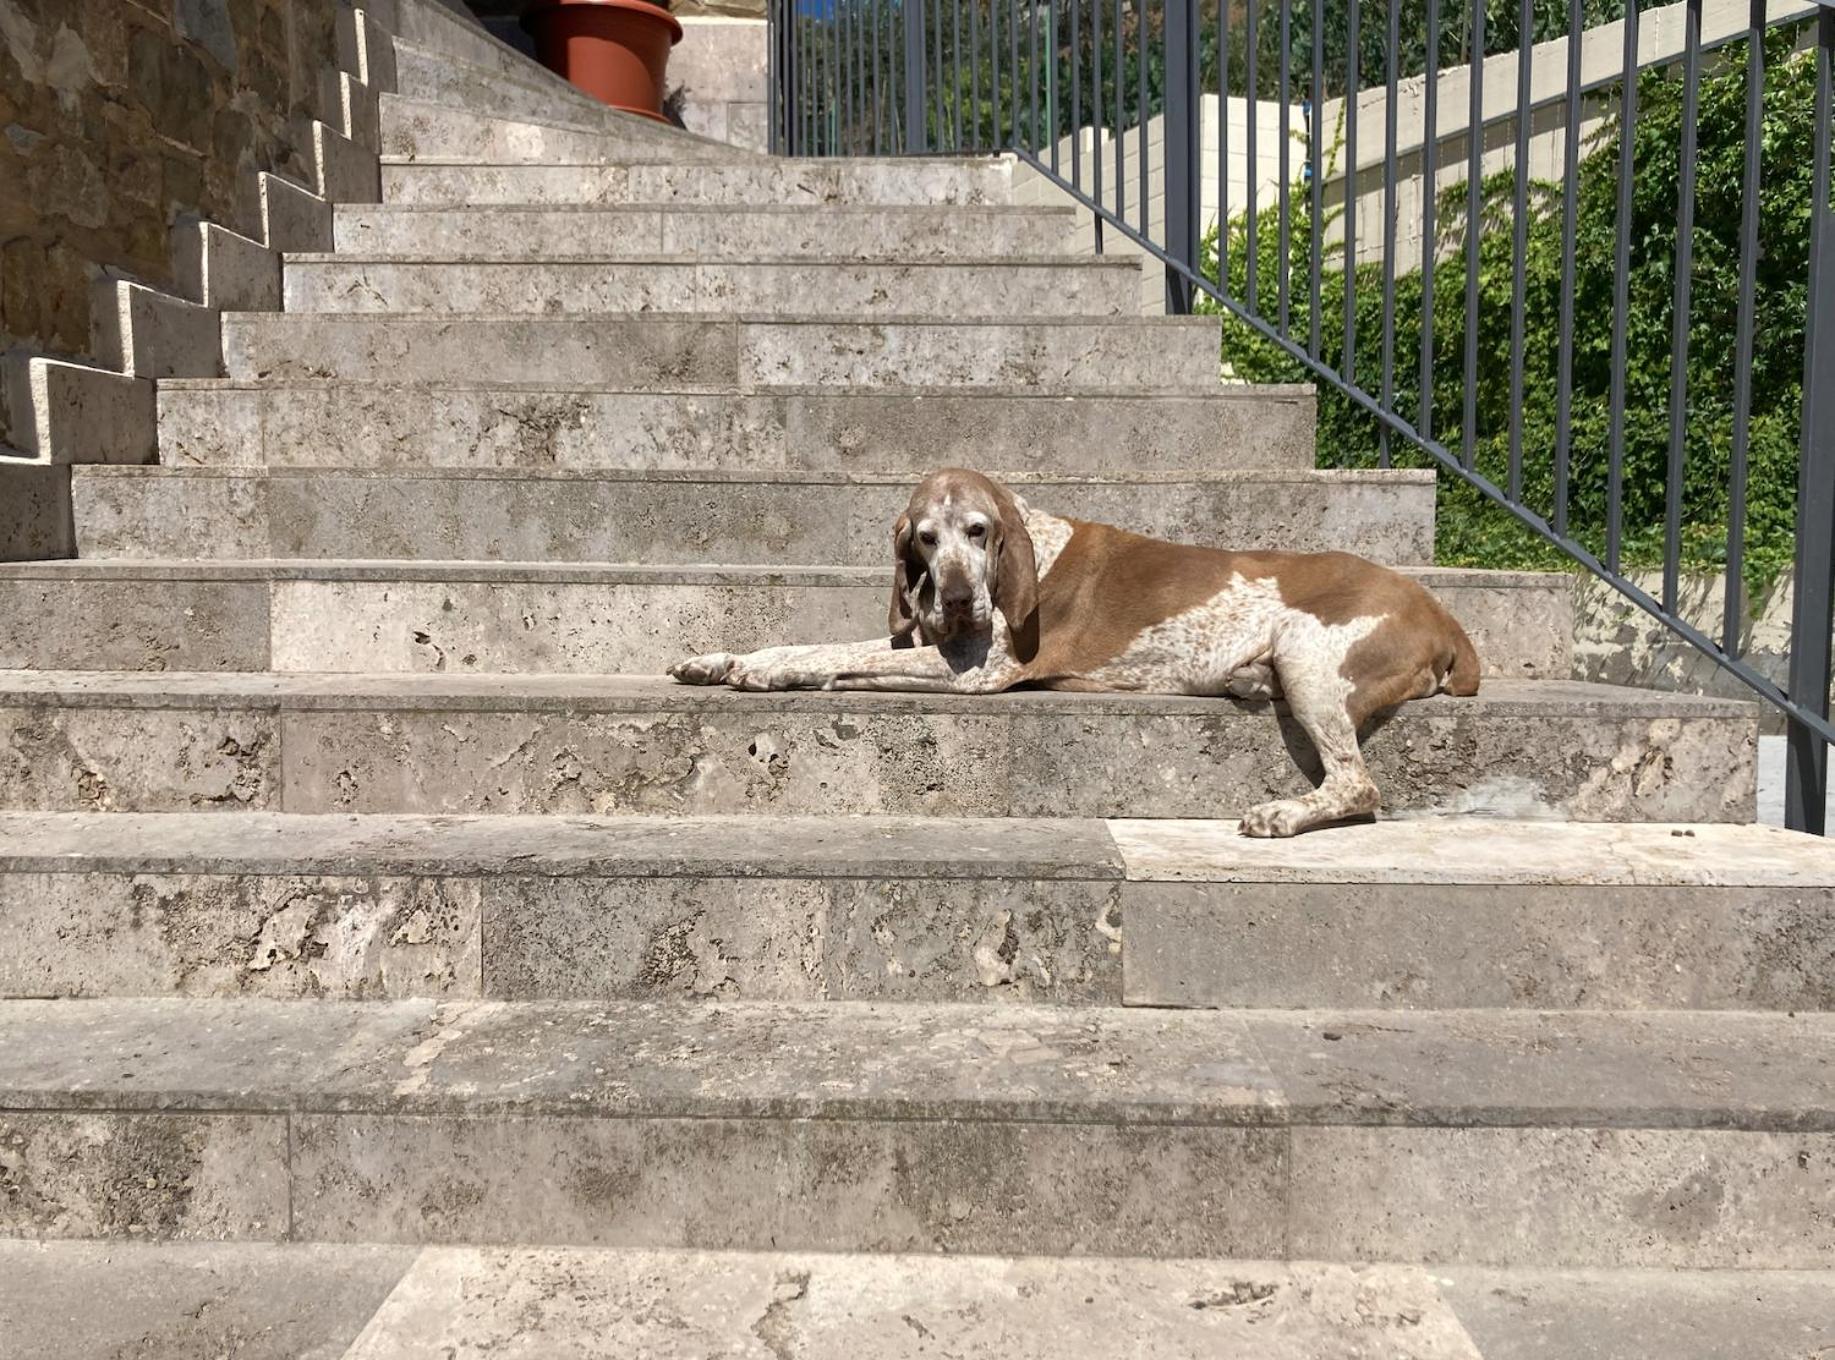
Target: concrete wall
<point x="120" y="118"/>
<point x="720" y="66"/>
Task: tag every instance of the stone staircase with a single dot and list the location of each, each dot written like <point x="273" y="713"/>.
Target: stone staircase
<point x="393" y="965"/>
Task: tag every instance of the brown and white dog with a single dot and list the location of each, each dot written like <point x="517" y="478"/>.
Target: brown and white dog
<point x="1002" y="596"/>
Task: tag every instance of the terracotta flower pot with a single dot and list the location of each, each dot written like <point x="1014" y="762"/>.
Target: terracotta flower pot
<point x="615" y="50"/>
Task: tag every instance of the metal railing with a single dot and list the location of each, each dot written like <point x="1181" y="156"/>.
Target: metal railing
<point x="1109" y="101"/>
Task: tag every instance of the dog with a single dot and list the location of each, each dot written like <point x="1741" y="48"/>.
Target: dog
<point x="989" y="594"/>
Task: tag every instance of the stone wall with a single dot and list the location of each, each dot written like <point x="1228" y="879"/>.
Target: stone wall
<point x="122" y="118"/>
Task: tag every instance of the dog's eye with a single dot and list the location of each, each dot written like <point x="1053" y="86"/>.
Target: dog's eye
<point x="977" y="530"/>
<point x="928" y="539"/>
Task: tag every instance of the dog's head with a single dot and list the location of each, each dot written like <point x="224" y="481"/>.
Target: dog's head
<point x="959" y="552"/>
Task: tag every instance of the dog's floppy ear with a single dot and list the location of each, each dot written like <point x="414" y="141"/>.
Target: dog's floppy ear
<point x="901" y="622"/>
<point x="1016" y="572"/>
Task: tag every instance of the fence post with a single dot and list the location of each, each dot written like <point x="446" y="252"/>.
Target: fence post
<point x="915" y="86"/>
<point x="1807" y="769"/>
<point x="1183" y="145"/>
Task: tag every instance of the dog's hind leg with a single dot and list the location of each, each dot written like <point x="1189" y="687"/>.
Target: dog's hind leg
<point x="1318" y="698"/>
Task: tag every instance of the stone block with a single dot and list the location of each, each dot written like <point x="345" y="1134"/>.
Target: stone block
<point x="158" y="625"/>
<point x="346" y="173"/>
<point x="416" y="131"/>
<point x="74" y="413"/>
<point x="853" y="291"/>
<point x="148" y="334"/>
<point x="35" y="519"/>
<point x="225" y="271"/>
<point x="293" y="218"/>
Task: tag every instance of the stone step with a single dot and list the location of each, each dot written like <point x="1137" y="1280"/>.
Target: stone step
<point x="366" y="1302"/>
<point x="1495" y="1138"/>
<point x="1004" y="430"/>
<point x="546" y="618"/>
<point x="805" y="183"/>
<point x="662" y="518"/>
<point x="683" y="231"/>
<point x="445" y="743"/>
<point x="432" y="77"/>
<point x="416" y="131"/>
<point x="1435" y="913"/>
<point x="849" y="290"/>
<point x="746" y="353"/>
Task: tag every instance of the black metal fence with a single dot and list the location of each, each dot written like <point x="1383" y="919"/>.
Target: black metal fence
<point x="1604" y="374"/>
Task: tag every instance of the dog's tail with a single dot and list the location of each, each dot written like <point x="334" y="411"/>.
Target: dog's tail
<point x="1462" y="678"/>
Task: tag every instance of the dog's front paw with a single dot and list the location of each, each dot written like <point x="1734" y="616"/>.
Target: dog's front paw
<point x="715" y="668"/>
<point x="1274" y="820"/>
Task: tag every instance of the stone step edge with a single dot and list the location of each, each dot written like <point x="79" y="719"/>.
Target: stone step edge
<point x="281" y="691"/>
<point x="587" y="573"/>
<point x="1247" y="477"/>
<point x="926" y="1062"/>
<point x="1098" y="263"/>
<point x="617" y="125"/>
<point x="1409" y="851"/>
<point x="938" y="320"/>
<point x="787" y="164"/>
<point x="1221" y="392"/>
<point x="1049" y="211"/>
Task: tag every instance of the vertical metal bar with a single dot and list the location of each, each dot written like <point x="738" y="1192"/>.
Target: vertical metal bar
<point x="1251" y="90"/>
<point x="1052" y="117"/>
<point x="1140" y="112"/>
<point x="1392" y="50"/>
<point x="1570" y="216"/>
<point x="1806" y="766"/>
<point x="1223" y="146"/>
<point x="1182" y="150"/>
<point x="1519" y="244"/>
<point x="1734" y="586"/>
<point x="1284" y="243"/>
<point x="940" y="91"/>
<point x="1474" y="211"/>
<point x="1121" y="114"/>
<point x="1348" y="367"/>
<point x="1032" y="38"/>
<point x="844" y="14"/>
<point x="878" y="139"/>
<point x="1013" y="66"/>
<point x="774" y="35"/>
<point x="1316" y="169"/>
<point x="1621" y="296"/>
<point x="994" y="75"/>
<point x="1430" y="203"/>
<point x="916" y="137"/>
<point x="1096" y="222"/>
<point x="955" y="73"/>
<point x="1076" y="94"/>
<point x="974" y="71"/>
<point x="1680" y="308"/>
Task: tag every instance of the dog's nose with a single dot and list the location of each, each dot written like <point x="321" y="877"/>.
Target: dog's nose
<point x="958" y="599"/>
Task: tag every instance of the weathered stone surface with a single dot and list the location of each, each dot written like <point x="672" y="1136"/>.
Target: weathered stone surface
<point x="187" y="934"/>
<point x="1565" y="1196"/>
<point x="293" y="218"/>
<point x="641" y="352"/>
<point x="861" y="1185"/>
<point x="121" y="1174"/>
<point x="660" y="517"/>
<point x="171" y="625"/>
<point x="417" y="131"/>
<point x="666" y="352"/>
<point x="570" y="1304"/>
<point x="433" y="78"/>
<point x="148" y="334"/>
<point x="688" y="231"/>
<point x="185" y="1300"/>
<point x="1632" y="1315"/>
<point x="1429" y="913"/>
<point x="306" y="423"/>
<point x="886" y="288"/>
<point x="73" y="413"/>
<point x="481" y="743"/>
<point x="795" y="182"/>
<point x="226" y="271"/>
<point x="76" y="758"/>
<point x="346" y="172"/>
<point x="35" y="520"/>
